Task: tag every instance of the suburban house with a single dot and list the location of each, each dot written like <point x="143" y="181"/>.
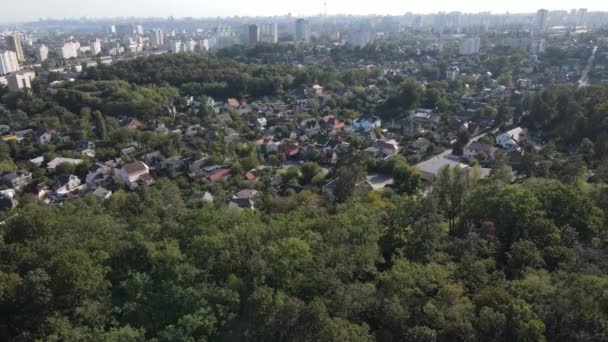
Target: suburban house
<point x="423" y="119"/>
<point x="220" y="174"/>
<point x="8" y="203"/>
<point x="510" y="140"/>
<point x="310" y="126"/>
<point x="64" y="184"/>
<point x="43" y="135"/>
<point x="17" y="180"/>
<point x="99" y="175"/>
<point x="289" y="148"/>
<point x="52" y="165"/>
<point x="388" y="148"/>
<point x="131" y="173"/>
<point x="332" y="123"/>
<point x="317" y="90"/>
<point x="196" y="168"/>
<point x="232" y="103"/>
<point x="85" y="145"/>
<point x="129" y="122"/>
<point x="8" y="193"/>
<point x="430" y="168"/>
<point x="244" y="199"/>
<point x="261" y="122"/>
<point x="102" y="193"/>
<point x="366" y="123"/>
<point x="419" y="146"/>
<point x="477" y="149"/>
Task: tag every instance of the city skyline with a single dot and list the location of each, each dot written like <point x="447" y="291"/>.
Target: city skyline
<point x="30" y="10"/>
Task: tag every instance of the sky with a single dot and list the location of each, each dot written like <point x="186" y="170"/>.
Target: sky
<point x="27" y="10"/>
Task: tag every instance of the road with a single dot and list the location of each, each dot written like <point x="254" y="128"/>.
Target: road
<point x="584" y="80"/>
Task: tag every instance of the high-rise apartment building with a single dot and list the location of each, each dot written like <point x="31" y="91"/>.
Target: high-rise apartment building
<point x="69" y="50"/>
<point x="302" y="30"/>
<point x="452" y="73"/>
<point x="204" y="44"/>
<point x="13" y="42"/>
<point x="542" y="20"/>
<point x="176" y="46"/>
<point x="470" y="46"/>
<point x="269" y="33"/>
<point x="42" y="53"/>
<point x="95" y="47"/>
<point x="157" y="38"/>
<point x="21" y="80"/>
<point x="254" y="34"/>
<point x="8" y="62"/>
<point x="190" y="46"/>
<point x="582" y="17"/>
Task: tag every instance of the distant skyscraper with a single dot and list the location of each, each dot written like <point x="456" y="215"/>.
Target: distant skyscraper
<point x="190" y="46"/>
<point x="42" y="53"/>
<point x="269" y="33"/>
<point x="176" y="46"/>
<point x="419" y="22"/>
<point x="8" y="62"/>
<point x="112" y="29"/>
<point x="138" y="29"/>
<point x="157" y="39"/>
<point x="582" y="17"/>
<point x="254" y="34"/>
<point x="302" y="30"/>
<point x="13" y="42"/>
<point x="542" y="18"/>
<point x="204" y="45"/>
<point x="95" y="47"/>
<point x="470" y="46"/>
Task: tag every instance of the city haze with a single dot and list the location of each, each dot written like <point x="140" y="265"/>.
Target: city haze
<point x="28" y="10"/>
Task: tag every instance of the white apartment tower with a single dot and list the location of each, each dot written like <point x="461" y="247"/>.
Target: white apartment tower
<point x="69" y="50"/>
<point x="157" y="39"/>
<point x="13" y="42"/>
<point x="42" y="53"/>
<point x="95" y="47"/>
<point x="20" y="80"/>
<point x="176" y="46"/>
<point x="302" y="30"/>
<point x="254" y="34"/>
<point x="190" y="46"/>
<point x="8" y="62"/>
<point x="542" y="19"/>
<point x="470" y="46"/>
<point x="204" y="45"/>
<point x="269" y="33"/>
<point x="582" y="17"/>
<point x="452" y="73"/>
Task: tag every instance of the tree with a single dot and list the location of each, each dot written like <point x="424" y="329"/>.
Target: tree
<point x="450" y="188"/>
<point x="101" y="125"/>
<point x="310" y="171"/>
<point x="347" y="179"/>
<point x="501" y="170"/>
<point x="406" y="179"/>
<point x="462" y="140"/>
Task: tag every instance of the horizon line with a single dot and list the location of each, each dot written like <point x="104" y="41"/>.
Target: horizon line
<point x="286" y="15"/>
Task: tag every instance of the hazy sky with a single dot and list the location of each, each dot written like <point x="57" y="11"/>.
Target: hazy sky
<point x="21" y="10"/>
